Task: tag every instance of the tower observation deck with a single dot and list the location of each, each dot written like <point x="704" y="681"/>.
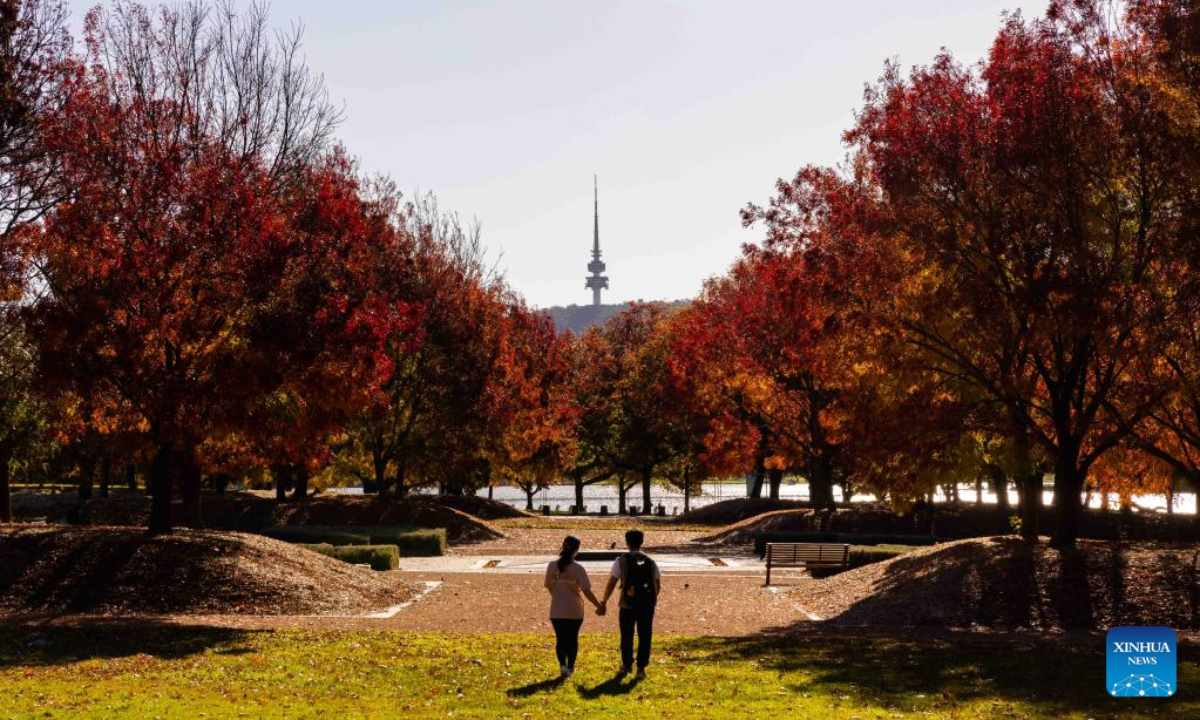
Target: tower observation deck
<point x="597" y="281"/>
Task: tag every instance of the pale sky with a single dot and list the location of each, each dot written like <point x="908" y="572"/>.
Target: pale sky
<point x="686" y="109"/>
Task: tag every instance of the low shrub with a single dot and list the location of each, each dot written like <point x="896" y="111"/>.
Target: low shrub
<point x="379" y="557"/>
<point x="315" y="534"/>
<point x="323" y="548"/>
<point x="860" y="556"/>
<point x="412" y="542"/>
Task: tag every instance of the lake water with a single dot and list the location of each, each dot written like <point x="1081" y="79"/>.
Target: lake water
<point x="562" y="497"/>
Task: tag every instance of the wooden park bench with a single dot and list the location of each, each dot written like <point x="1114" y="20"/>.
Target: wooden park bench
<point x="807" y="555"/>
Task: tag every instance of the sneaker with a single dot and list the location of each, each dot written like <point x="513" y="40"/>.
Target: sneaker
<point x="563" y="671"/>
<point x="625" y="670"/>
<point x="570" y="671"/>
<point x="641" y="674"/>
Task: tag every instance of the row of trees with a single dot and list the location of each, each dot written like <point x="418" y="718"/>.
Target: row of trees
<point x="1000" y="281"/>
<point x="198" y="282"/>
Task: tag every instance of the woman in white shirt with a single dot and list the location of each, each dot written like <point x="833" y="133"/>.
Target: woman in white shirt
<point x="568" y="583"/>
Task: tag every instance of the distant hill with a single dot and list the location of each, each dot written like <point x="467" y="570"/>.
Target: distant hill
<point x="578" y="318"/>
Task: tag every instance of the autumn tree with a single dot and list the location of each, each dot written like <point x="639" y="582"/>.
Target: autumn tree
<point x="437" y="420"/>
<point x="177" y="303"/>
<point x="1026" y="201"/>
<point x="756" y="340"/>
<point x="35" y="66"/>
<point x="625" y="427"/>
<point x="535" y="443"/>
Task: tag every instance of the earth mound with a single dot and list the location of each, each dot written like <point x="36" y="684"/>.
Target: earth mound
<point x="858" y="519"/>
<point x="479" y="507"/>
<point x="732" y="511"/>
<point x="743" y="532"/>
<point x="108" y="570"/>
<point x="249" y="512"/>
<point x="951" y="521"/>
<point x="1004" y="582"/>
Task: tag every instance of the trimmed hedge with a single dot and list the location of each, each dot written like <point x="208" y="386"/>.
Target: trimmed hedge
<point x="317" y="534"/>
<point x="864" y="555"/>
<point x="761" y="540"/>
<point x="860" y="556"/>
<point x="323" y="548"/>
<point x="379" y="557"/>
<point x="412" y="542"/>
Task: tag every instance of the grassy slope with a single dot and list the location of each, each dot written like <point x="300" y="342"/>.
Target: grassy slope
<point x="186" y="673"/>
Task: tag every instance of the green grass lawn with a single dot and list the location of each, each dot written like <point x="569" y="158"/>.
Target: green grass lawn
<point x="190" y="673"/>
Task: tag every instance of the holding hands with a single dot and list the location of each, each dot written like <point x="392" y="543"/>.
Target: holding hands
<point x="602" y="608"/>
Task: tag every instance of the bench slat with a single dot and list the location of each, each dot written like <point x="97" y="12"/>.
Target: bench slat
<point x="806" y="555"/>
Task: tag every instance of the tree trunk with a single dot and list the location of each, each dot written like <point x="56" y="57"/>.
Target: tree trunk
<point x="160" y="480"/>
<point x="687" y="490"/>
<point x="760" y="472"/>
<point x="1029" y="489"/>
<point x="87" y="475"/>
<point x="131" y="477"/>
<point x="381" y="482"/>
<point x="280" y="473"/>
<point x="190" y="481"/>
<point x="6" y="513"/>
<point x="646" y="476"/>
<point x="999" y="483"/>
<point x="490" y="491"/>
<point x="621" y="490"/>
<point x="529" y="498"/>
<point x="106" y="471"/>
<point x="820" y="482"/>
<point x="1030" y="495"/>
<point x="776" y="479"/>
<point x="300" y="491"/>
<point x="579" y="492"/>
<point x="1068" y="488"/>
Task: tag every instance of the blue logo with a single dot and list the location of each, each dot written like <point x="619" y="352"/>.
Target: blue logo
<point x="1141" y="662"/>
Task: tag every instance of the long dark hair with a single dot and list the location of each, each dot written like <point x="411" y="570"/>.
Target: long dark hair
<point x="570" y="546"/>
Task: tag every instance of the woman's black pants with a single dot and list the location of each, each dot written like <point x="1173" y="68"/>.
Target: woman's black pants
<point x="566" y="634"/>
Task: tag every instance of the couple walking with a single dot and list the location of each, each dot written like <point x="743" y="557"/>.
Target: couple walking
<point x="639" y="581"/>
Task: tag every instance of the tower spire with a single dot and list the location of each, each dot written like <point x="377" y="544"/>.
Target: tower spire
<point x="597" y="280"/>
<point x="596" y="217"/>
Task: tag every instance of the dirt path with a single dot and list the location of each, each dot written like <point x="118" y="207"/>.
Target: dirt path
<point x="726" y="605"/>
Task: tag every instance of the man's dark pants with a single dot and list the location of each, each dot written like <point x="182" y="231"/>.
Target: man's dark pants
<point x="642" y="620"/>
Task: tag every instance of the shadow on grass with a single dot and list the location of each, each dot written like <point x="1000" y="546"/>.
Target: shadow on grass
<point x="537" y="687"/>
<point x="1054" y="675"/>
<point x="615" y="685"/>
<point x="34" y="646"/>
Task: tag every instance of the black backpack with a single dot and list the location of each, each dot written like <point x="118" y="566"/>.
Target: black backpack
<point x="638" y="589"/>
